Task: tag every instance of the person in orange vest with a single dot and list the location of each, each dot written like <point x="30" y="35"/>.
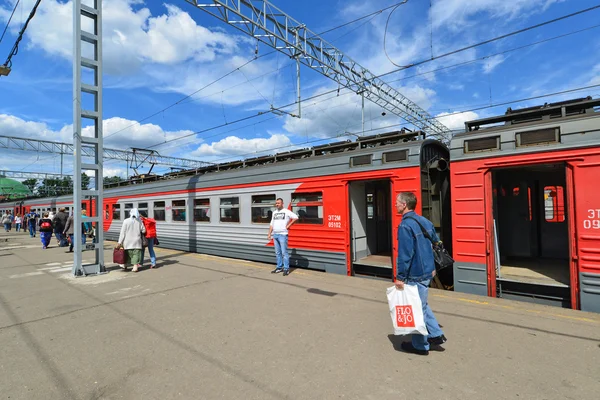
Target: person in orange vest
<point x="150" y="225"/>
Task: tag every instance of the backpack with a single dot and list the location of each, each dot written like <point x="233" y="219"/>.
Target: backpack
<point x="46" y="225"/>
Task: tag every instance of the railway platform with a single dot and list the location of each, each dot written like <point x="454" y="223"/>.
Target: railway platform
<point x="203" y="327"/>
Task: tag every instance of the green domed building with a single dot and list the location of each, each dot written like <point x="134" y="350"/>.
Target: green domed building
<point x="11" y="189"/>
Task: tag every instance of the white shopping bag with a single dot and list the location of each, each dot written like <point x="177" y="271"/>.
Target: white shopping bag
<point x="406" y="310"/>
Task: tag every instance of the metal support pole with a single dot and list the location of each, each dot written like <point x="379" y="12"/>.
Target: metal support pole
<point x="299" y="96"/>
<point x="362" y="94"/>
<point x="93" y="64"/>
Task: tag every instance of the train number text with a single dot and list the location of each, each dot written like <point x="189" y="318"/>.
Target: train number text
<point x="593" y="219"/>
<point x="335" y="221"/>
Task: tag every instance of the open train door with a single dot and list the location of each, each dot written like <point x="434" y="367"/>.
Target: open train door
<point x="585" y="228"/>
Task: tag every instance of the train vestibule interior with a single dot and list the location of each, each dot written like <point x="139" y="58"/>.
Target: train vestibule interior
<point x="531" y="234"/>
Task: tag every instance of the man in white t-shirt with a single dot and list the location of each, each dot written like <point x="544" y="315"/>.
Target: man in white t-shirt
<point x="281" y="221"/>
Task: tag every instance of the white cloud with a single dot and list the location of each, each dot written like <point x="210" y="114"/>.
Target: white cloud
<point x="130" y="133"/>
<point x="167" y="52"/>
<point x="236" y="146"/>
<point x="458" y="14"/>
<point x="489" y="64"/>
<point x="456" y="121"/>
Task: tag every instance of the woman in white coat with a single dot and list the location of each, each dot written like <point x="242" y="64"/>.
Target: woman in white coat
<point x="130" y="239"/>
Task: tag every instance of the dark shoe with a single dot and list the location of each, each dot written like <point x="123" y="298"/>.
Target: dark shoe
<point x="286" y="272"/>
<point x="277" y="270"/>
<point x="437" y="340"/>
<point x="409" y="348"/>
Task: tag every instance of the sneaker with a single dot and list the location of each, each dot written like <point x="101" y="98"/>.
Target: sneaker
<point x="409" y="348"/>
<point x="286" y="272"/>
<point x="277" y="270"/>
<point x="437" y="340"/>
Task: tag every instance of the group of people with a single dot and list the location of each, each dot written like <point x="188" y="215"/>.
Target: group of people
<point x="137" y="234"/>
<point x="415" y="263"/>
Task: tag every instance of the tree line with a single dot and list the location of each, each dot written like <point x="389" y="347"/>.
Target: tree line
<point x="61" y="186"/>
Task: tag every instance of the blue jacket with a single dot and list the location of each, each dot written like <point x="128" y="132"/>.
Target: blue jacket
<point x="414" y="249"/>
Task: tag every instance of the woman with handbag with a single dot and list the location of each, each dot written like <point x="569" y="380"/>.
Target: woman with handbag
<point x="151" y="240"/>
<point x="130" y="239"/>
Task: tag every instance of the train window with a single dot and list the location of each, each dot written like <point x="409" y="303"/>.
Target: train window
<point x="262" y="208"/>
<point x="538" y="136"/>
<point x="143" y="209"/>
<point x="230" y="209"/>
<point x="159" y="210"/>
<point x="116" y="212"/>
<point x="554" y="204"/>
<point x="128" y="207"/>
<point x="178" y="211"/>
<point x="84" y="206"/>
<point x="308" y="207"/>
<point x="107" y="212"/>
<point x="201" y="210"/>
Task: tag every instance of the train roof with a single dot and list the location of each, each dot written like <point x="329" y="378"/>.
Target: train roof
<point x="383" y="151"/>
<point x="581" y="107"/>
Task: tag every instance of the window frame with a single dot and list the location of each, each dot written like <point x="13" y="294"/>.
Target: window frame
<point x="178" y="208"/>
<point x="260" y="206"/>
<point x="162" y="208"/>
<point x="127" y="210"/>
<point x="230" y="207"/>
<point x="202" y="207"/>
<point x="116" y="207"/>
<point x="140" y="208"/>
<point x="309" y="204"/>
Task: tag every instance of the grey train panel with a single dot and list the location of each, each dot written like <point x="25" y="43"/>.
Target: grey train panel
<point x="470" y="278"/>
<point x="579" y="131"/>
<point x="589" y="292"/>
<point x="332" y="164"/>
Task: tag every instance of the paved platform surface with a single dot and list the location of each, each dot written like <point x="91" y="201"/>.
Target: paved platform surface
<point x="204" y="327"/>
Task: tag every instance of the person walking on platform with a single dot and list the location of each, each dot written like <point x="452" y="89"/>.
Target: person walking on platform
<point x="130" y="239"/>
<point x="45" y="230"/>
<point x="32" y="223"/>
<point x="6" y="221"/>
<point x="60" y="221"/>
<point x="416" y="266"/>
<point x="281" y="221"/>
<point x="150" y="225"/>
<point x="18" y="222"/>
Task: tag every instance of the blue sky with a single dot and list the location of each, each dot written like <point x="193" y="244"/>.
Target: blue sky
<point x="155" y="53"/>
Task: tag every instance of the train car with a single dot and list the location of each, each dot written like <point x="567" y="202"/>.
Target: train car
<point x="343" y="193"/>
<point x="525" y="211"/>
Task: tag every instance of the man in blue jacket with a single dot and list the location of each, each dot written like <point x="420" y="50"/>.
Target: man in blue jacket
<point x="416" y="266"/>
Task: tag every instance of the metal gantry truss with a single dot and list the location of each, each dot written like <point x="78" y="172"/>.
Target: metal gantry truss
<point x="30" y="175"/>
<point x="84" y="67"/>
<point x="270" y="25"/>
<point x="134" y="156"/>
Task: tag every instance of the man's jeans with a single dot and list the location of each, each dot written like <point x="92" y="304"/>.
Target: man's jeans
<point x="32" y="230"/>
<point x="420" y="341"/>
<point x="281" y="251"/>
<point x="150" y="251"/>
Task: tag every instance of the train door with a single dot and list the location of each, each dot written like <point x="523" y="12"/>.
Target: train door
<point x="532" y="231"/>
<point x="371" y="228"/>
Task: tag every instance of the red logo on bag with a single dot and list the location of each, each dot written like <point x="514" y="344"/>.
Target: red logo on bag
<point x="404" y="317"/>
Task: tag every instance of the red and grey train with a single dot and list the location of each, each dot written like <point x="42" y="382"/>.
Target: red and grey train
<point x="512" y="198"/>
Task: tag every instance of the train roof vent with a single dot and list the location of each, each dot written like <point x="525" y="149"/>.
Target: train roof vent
<point x="358" y="161"/>
<point x="395" y="156"/>
<point x="482" y="144"/>
<point x="538" y="136"/>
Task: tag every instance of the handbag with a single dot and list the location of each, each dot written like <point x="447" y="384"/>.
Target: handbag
<point x="119" y="256"/>
<point x="144" y="241"/>
<point x="156" y="242"/>
<point x="440" y="254"/>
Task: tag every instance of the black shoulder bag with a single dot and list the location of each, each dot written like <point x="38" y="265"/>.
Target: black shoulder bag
<point x="440" y="254"/>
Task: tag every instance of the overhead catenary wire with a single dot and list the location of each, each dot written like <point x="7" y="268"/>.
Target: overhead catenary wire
<point x="403" y="67"/>
<point x="15" y="48"/>
<point x="9" y="19"/>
